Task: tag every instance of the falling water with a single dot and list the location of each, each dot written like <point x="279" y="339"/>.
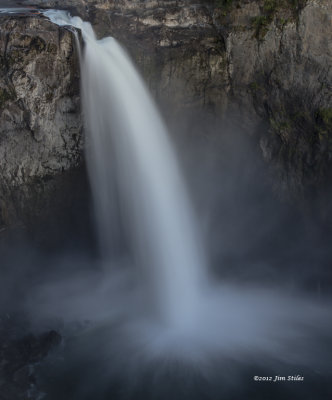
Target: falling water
<point x="129" y="154"/>
<point x="134" y="175"/>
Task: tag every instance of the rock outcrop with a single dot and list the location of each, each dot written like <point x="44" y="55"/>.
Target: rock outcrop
<point x="19" y="356"/>
<point x="40" y="122"/>
<point x="177" y="48"/>
<point x="279" y="63"/>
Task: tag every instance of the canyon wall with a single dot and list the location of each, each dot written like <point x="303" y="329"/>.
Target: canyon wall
<point x="270" y="61"/>
<point x="40" y="121"/>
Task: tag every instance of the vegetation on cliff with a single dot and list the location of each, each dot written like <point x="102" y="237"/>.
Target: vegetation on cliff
<point x="287" y="10"/>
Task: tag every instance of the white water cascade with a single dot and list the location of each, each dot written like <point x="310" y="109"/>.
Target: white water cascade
<point x="129" y="153"/>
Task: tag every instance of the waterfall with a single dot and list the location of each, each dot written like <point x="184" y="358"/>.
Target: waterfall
<point x="135" y="177"/>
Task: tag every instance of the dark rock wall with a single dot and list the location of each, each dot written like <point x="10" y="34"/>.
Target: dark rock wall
<point x="177" y="48"/>
<point x="281" y="71"/>
<point x="269" y="60"/>
<point x="40" y="121"/>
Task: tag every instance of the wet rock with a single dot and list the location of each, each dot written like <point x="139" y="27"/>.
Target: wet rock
<point x="18" y="357"/>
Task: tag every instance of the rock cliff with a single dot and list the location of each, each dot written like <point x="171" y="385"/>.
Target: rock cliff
<point x="269" y="59"/>
<point x="40" y="122"/>
<point x="279" y="63"/>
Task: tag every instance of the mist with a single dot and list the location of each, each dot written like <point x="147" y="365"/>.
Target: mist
<point x="233" y="282"/>
<point x="266" y="306"/>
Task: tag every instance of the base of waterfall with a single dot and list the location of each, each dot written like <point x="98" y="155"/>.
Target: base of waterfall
<point x="117" y="346"/>
<point x="229" y="321"/>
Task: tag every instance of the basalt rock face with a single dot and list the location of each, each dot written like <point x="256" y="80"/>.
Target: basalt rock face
<point x="174" y="43"/>
<point x="177" y="48"/>
<point x="280" y="69"/>
<point x="269" y="59"/>
<point x="40" y="122"/>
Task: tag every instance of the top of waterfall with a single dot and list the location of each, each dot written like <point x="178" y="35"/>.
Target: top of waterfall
<point x="63" y="18"/>
<point x="16" y="10"/>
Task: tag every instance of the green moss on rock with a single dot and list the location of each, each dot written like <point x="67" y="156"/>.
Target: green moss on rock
<point x="325" y="114"/>
<point x="272" y="8"/>
<point x="261" y="25"/>
<point x="224" y="5"/>
<point x="324" y="129"/>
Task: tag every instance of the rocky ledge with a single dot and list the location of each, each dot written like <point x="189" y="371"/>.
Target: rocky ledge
<point x="19" y="356"/>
